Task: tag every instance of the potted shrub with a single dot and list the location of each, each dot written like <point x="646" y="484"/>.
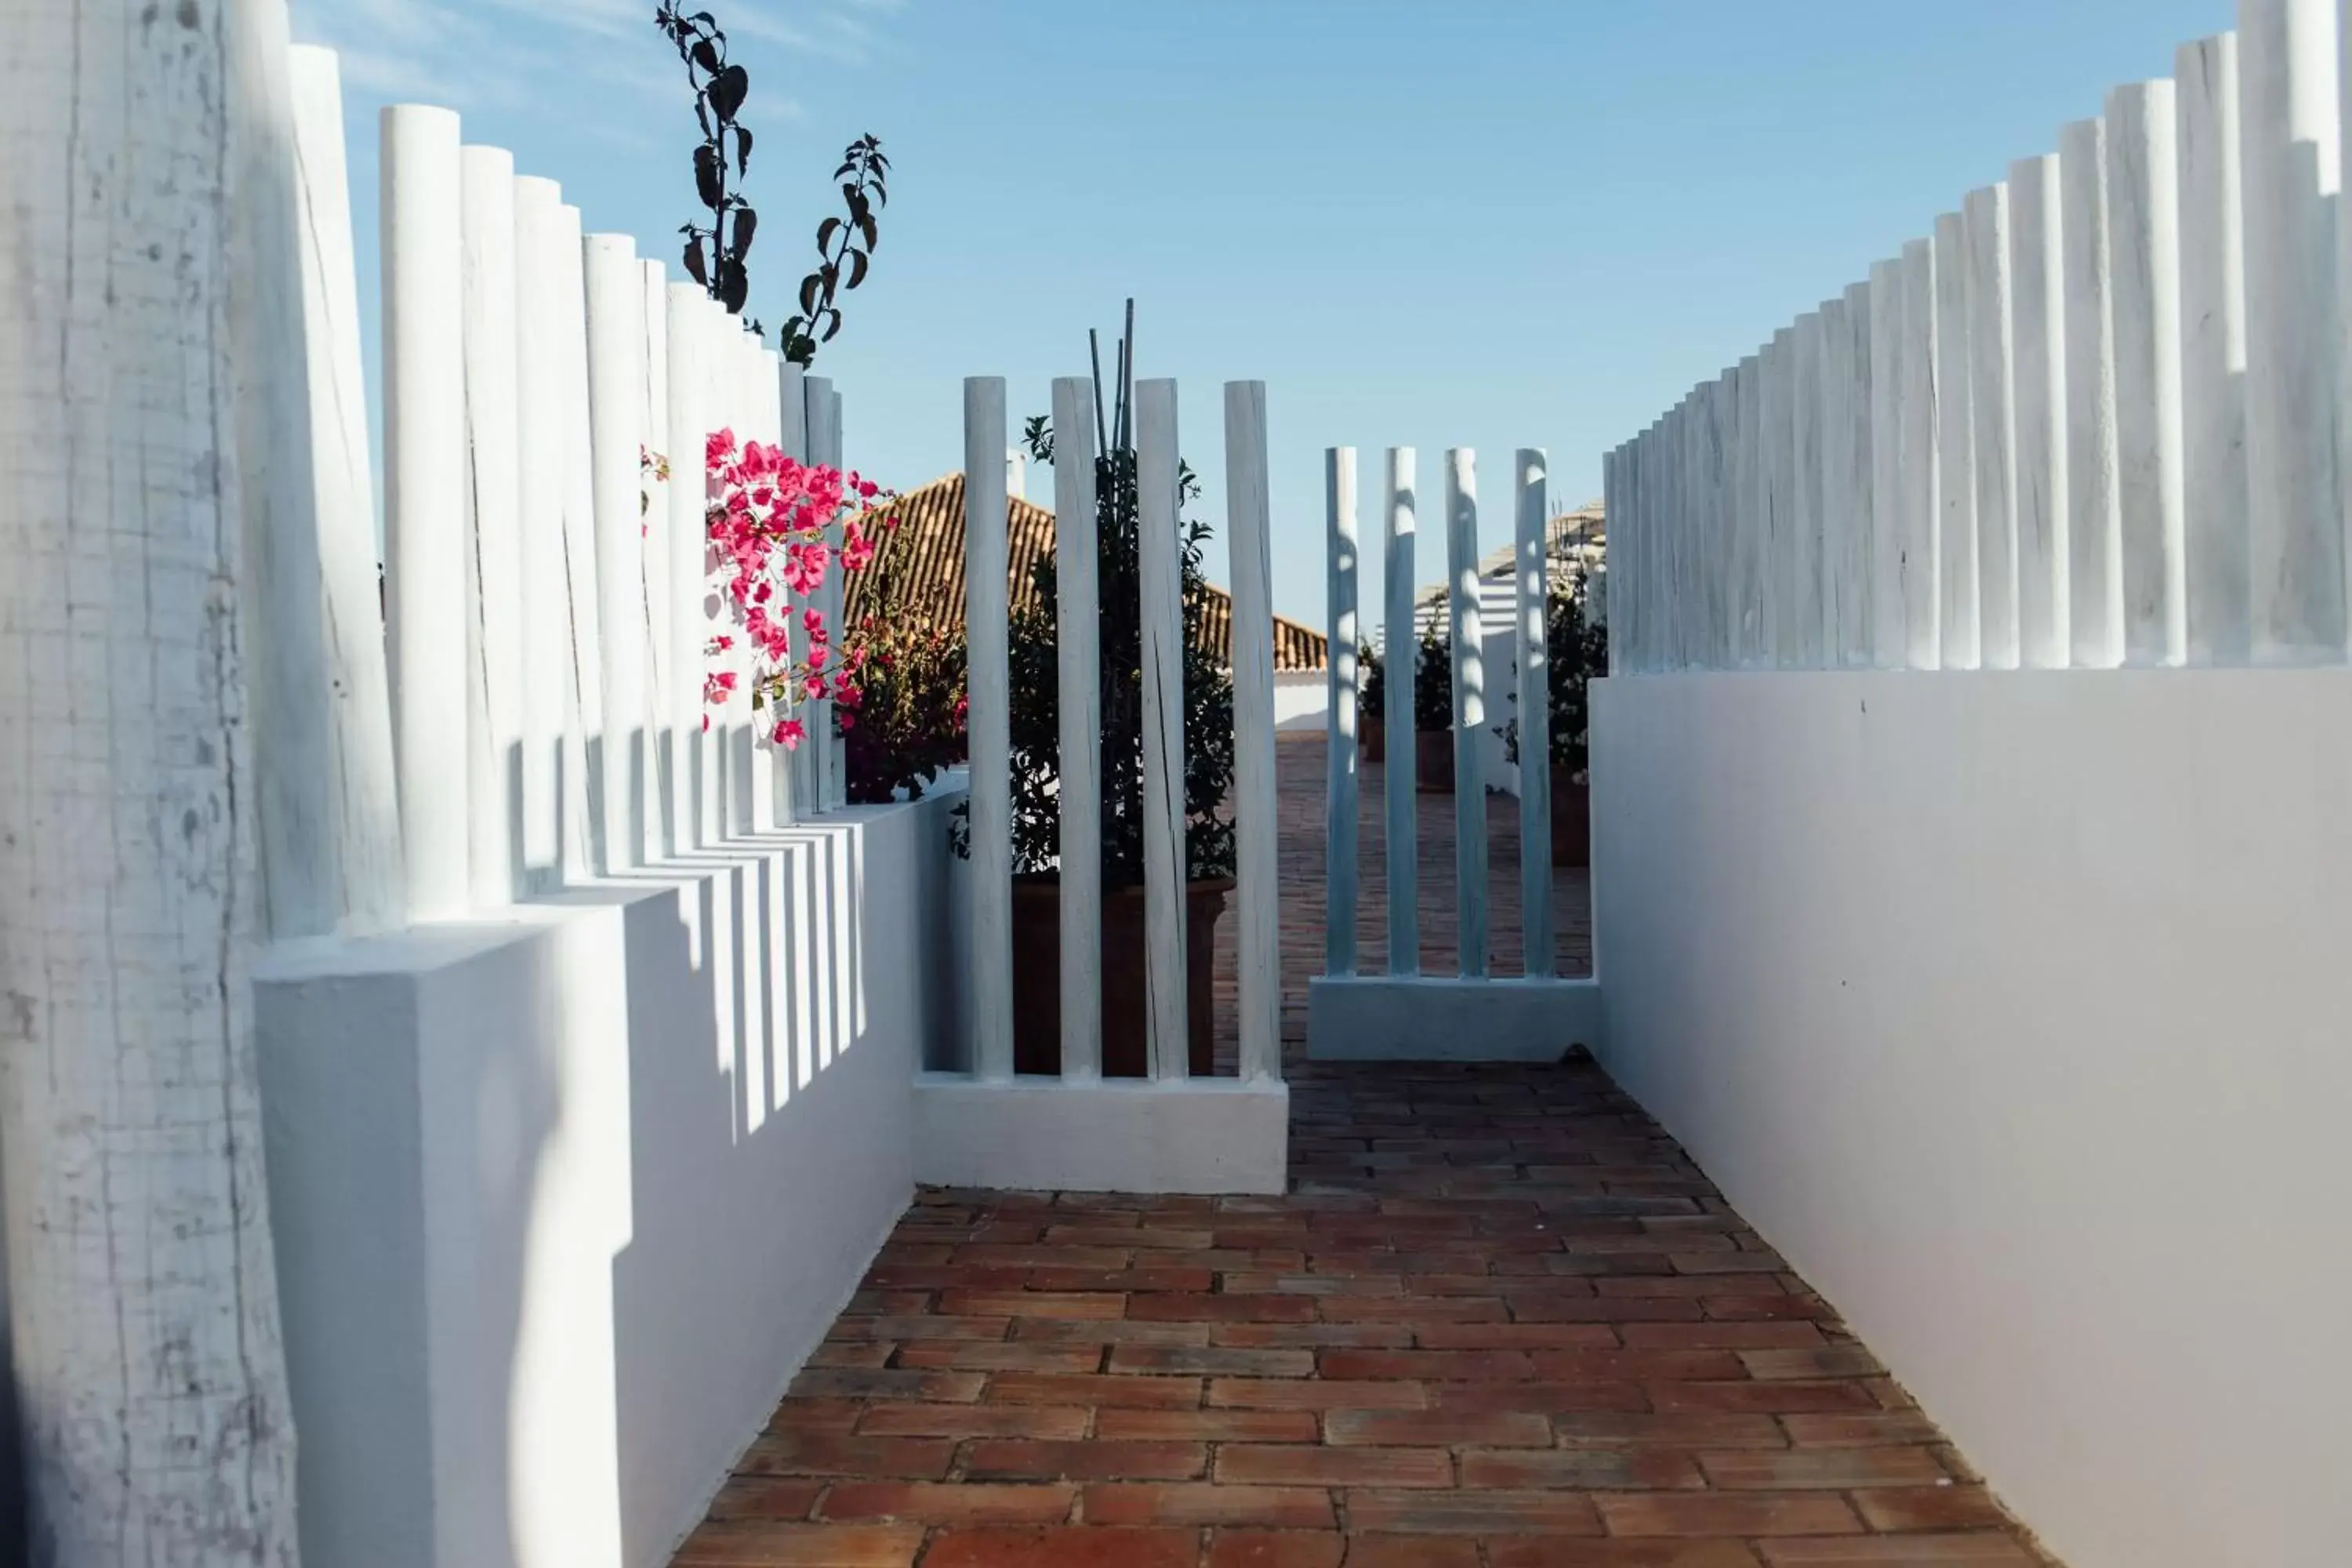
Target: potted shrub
<point x="1371" y="706"/>
<point x="1577" y="649"/>
<point x="1433" y="715"/>
<point x="903" y="722"/>
<point x="1037" y="823"/>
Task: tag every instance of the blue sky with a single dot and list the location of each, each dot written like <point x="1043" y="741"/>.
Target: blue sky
<point x="1483" y="223"/>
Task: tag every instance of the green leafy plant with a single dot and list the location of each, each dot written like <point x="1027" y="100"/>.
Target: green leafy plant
<point x="1576" y="649"/>
<point x="905" y="722"/>
<point x="1036" y="718"/>
<point x="1371" y="685"/>
<point x="1432" y="683"/>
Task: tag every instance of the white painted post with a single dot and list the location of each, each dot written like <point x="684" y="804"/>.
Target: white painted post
<point x="1249" y="515"/>
<point x="1339" y="791"/>
<point x="1078" y="599"/>
<point x="690" y="423"/>
<point x="584" y="699"/>
<point x="2038" y="336"/>
<point x="1993" y="403"/>
<point x="1837" y="507"/>
<point x="1165" y="863"/>
<point x="772" y="791"/>
<point x="792" y="781"/>
<point x="365" y="796"/>
<point x="2214" y="355"/>
<point x="824" y="448"/>
<point x="2094" y="525"/>
<point x="722" y="815"/>
<point x="2144" y="237"/>
<point x="1922" y="467"/>
<point x="2292" y="161"/>
<point x="1535" y="710"/>
<point x="1801" y="565"/>
<point x="1613" y="512"/>
<point x="493" y="603"/>
<point x="1724" y="430"/>
<point x="1752" y="513"/>
<point x="1957" y="571"/>
<point x="425" y="496"/>
<point x="655" y="554"/>
<point x="987" y="635"/>
<point x="541" y="456"/>
<point x="1469" y="707"/>
<point x="1857" y="594"/>
<point x="1778" y="463"/>
<point x="1886" y="609"/>
<point x="616" y="405"/>
<point x="1401" y="650"/>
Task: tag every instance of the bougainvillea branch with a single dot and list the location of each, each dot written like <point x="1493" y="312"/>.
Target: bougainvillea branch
<point x="845" y="248"/>
<point x="769" y="518"/>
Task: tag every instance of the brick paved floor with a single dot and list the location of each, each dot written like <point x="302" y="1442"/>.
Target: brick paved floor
<point x="1500" y="1322"/>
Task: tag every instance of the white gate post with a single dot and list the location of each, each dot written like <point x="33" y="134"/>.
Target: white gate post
<point x="688" y="341"/>
<point x="493" y="602"/>
<point x="1957" y="569"/>
<point x="1077" y="632"/>
<point x="1993" y="396"/>
<point x="583" y="710"/>
<point x="1341" y="724"/>
<point x="1921" y="469"/>
<point x="2214" y="355"/>
<point x="1802" y="565"/>
<point x="1886" y="606"/>
<point x="1534" y="604"/>
<point x="1165" y="862"/>
<point x="2144" y="237"/>
<point x="540" y="446"/>
<point x="425" y="496"/>
<point x="1469" y="707"/>
<point x="2094" y="525"/>
<point x="653" y="553"/>
<point x="987" y="635"/>
<point x="2038" y="339"/>
<point x="1249" y="518"/>
<point x="1401" y="651"/>
<point x="827" y="767"/>
<point x="616" y="397"/>
<point x="366" y="798"/>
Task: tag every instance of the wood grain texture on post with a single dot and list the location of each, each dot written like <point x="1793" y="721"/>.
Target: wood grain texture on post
<point x="142" y="1289"/>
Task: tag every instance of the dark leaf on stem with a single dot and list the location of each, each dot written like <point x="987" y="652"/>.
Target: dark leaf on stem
<point x="857" y="270"/>
<point x="709" y="177"/>
<point x="747" y="222"/>
<point x="728" y="91"/>
<point x="694" y="265"/>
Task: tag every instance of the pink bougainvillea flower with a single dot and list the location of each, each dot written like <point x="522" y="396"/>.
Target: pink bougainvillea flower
<point x="718" y="449"/>
<point x="790" y="734"/>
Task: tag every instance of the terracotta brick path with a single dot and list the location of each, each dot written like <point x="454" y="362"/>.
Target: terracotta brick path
<point x="1500" y="1322"/>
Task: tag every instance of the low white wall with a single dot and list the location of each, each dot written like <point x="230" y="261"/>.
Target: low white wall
<point x="2014" y="1009"/>
<point x="562" y="1203"/>
<point x="1302" y="699"/>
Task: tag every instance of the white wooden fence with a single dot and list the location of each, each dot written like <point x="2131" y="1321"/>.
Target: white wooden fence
<point x="533" y="713"/>
<point x="2100" y="418"/>
<point x="1078" y="792"/>
<point x="1398" y="1013"/>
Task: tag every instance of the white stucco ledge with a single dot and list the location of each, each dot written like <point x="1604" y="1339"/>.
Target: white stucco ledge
<point x="1203" y="1136"/>
<point x="1445" y="1019"/>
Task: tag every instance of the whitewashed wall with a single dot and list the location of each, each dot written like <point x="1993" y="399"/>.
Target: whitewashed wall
<point x="2010" y="1009"/>
<point x="2094" y="420"/>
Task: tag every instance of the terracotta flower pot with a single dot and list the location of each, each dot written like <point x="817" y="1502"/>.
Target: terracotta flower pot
<point x="1432" y="761"/>
<point x="1371" y="739"/>
<point x="1572" y="823"/>
<point x="1126" y="1047"/>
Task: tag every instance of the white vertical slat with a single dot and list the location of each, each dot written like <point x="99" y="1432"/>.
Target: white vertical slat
<point x="987" y="635"/>
<point x="824" y="448"/>
<point x="2038" y="339"/>
<point x="1726" y="509"/>
<point x="1534" y="578"/>
<point x="1803" y="564"/>
<point x="2144" y="237"/>
<point x="2288" y="100"/>
<point x="1886" y="405"/>
<point x="1750" y="513"/>
<point x="811" y="766"/>
<point x="1957" y="571"/>
<point x="1078" y="598"/>
<point x="2214" y="355"/>
<point x="1778" y="463"/>
<point x="1341" y="726"/>
<point x="1625" y="544"/>
<point x="493" y="521"/>
<point x="654" y="552"/>
<point x="1401" y="651"/>
<point x="1469" y="707"/>
<point x="1714" y="497"/>
<point x="724" y="410"/>
<point x="2094" y="525"/>
<point x="1837" y="508"/>
<point x="769" y="795"/>
<point x="616" y="416"/>
<point x="1159" y="521"/>
<point x="365" y="796"/>
<point x="792" y="783"/>
<point x="1857" y="596"/>
<point x="1249" y="517"/>
<point x="687" y="340"/>
<point x="584" y="696"/>
<point x="1922" y="467"/>
<point x="542" y="453"/>
<point x="425" y="496"/>
<point x="1992" y="402"/>
<point x="1612" y="511"/>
